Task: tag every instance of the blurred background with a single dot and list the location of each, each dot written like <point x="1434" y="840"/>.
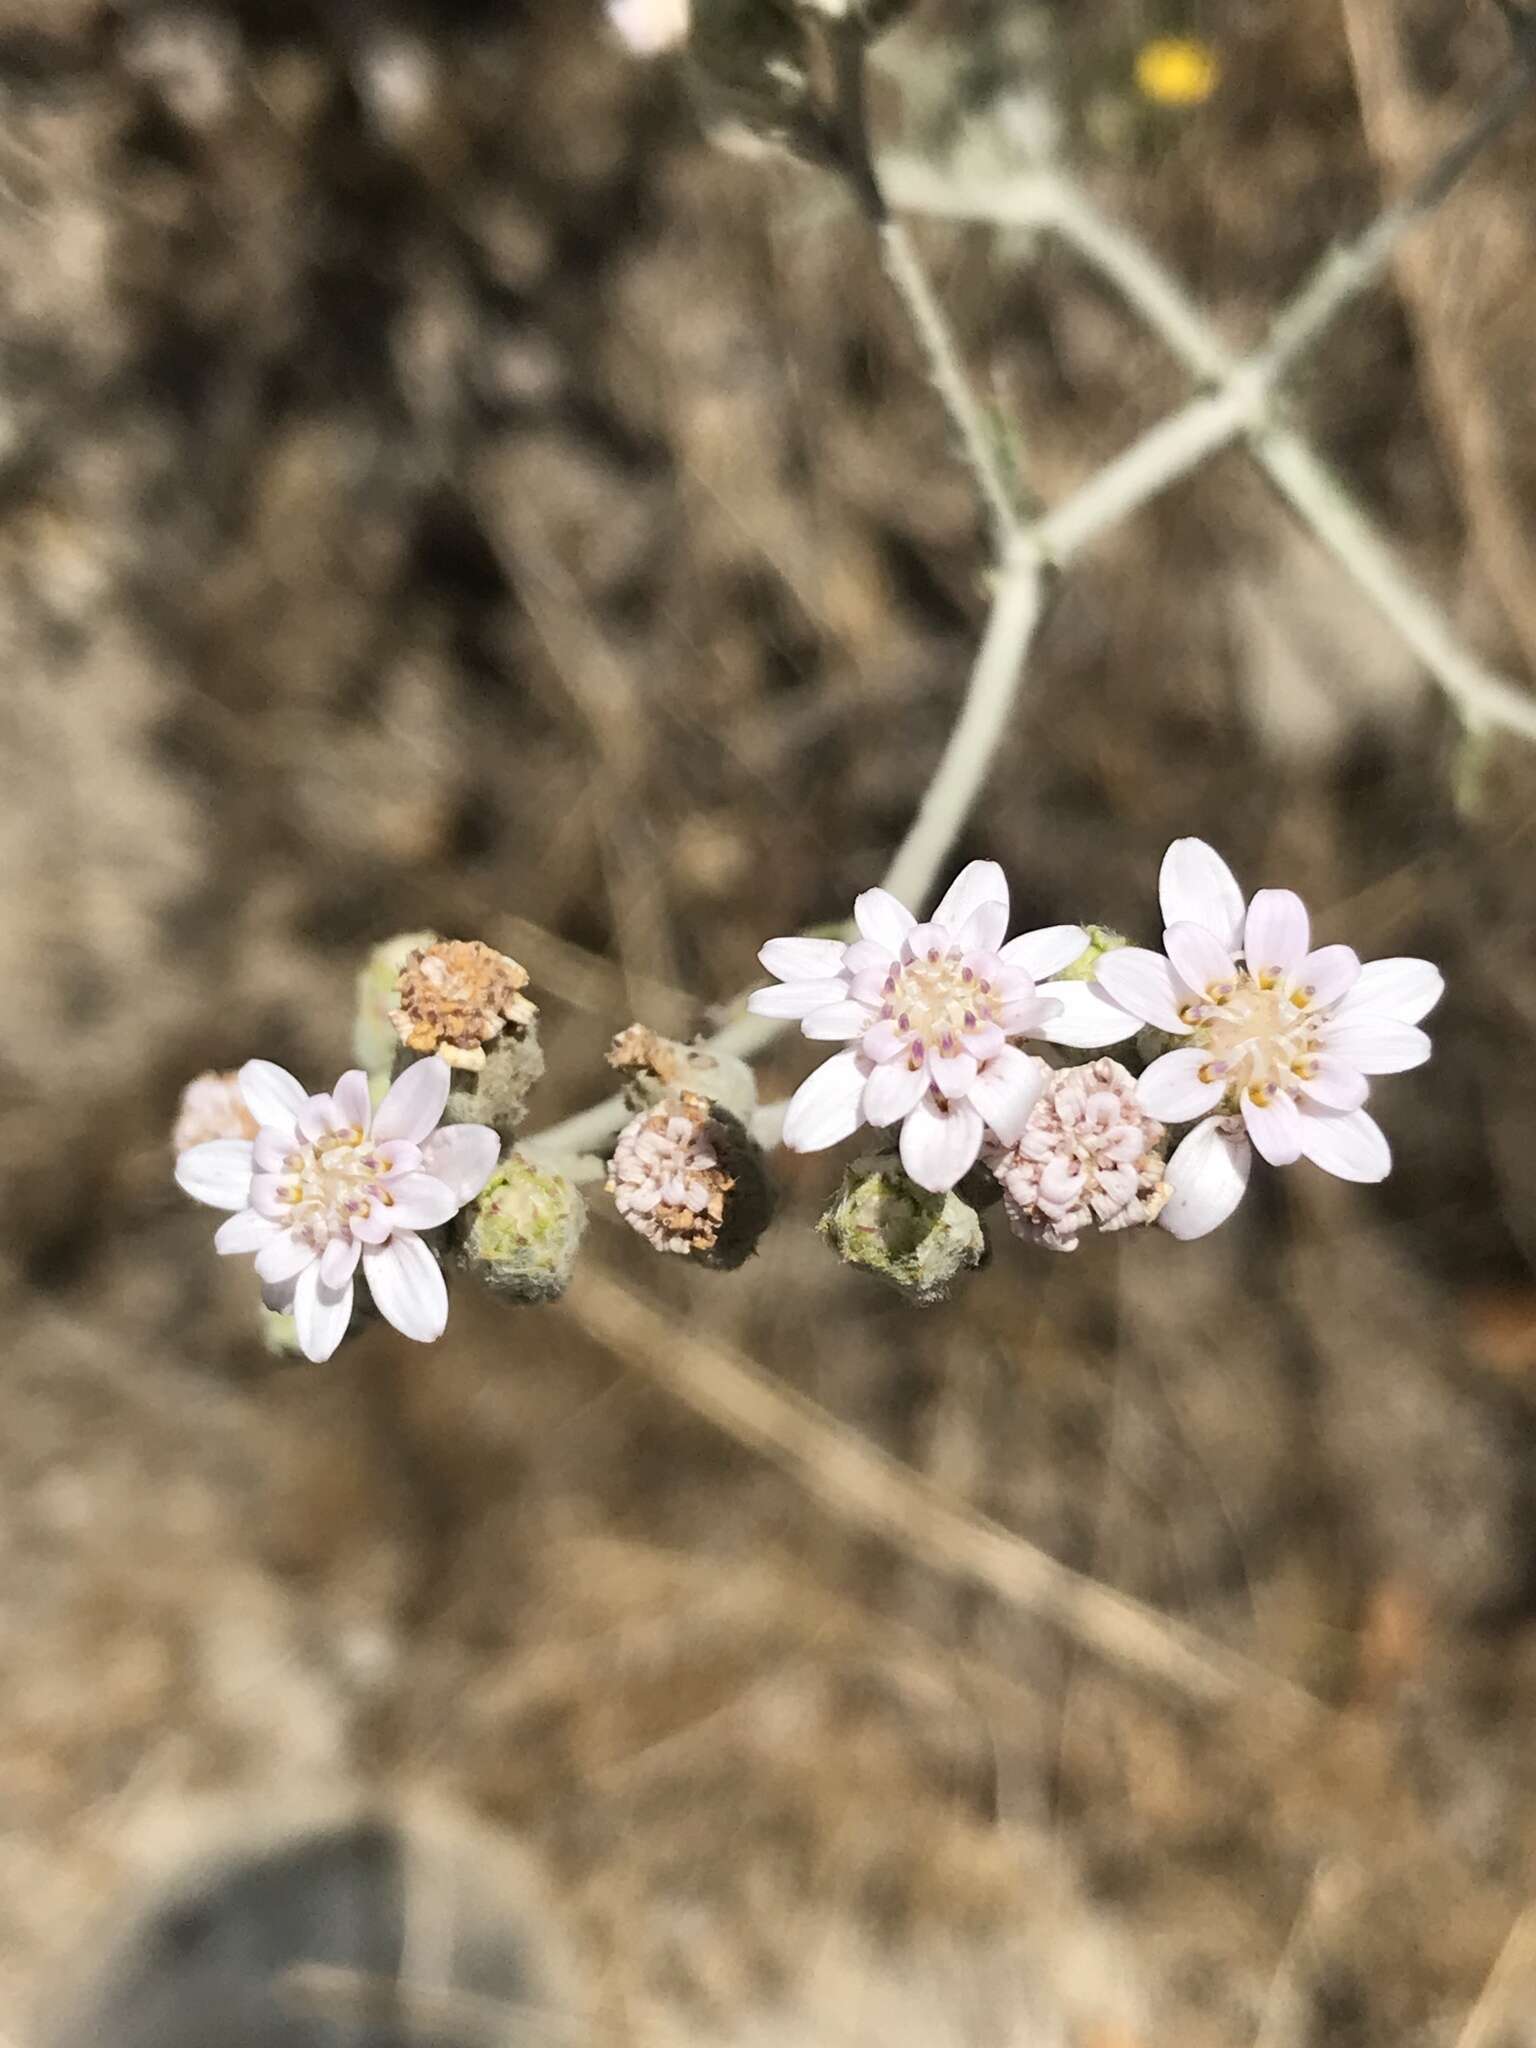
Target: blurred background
<point x="440" y="488"/>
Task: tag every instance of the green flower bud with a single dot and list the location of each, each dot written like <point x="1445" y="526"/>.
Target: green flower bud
<point x="520" y="1234"/>
<point x="921" y="1243"/>
<point x="374" y="1043"/>
<point x="1101" y="940"/>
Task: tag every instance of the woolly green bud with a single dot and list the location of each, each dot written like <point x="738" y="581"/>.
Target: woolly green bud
<point x="921" y="1243"/>
<point x="521" y="1232"/>
<point x="1101" y="940"/>
<point x="655" y="1068"/>
<point x="279" y="1332"/>
<point x="374" y="1043"/>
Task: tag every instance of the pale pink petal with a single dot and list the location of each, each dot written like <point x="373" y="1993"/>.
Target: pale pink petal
<point x="923" y="939"/>
<point x="1027" y="1016"/>
<point x="867" y="987"/>
<point x="880" y="917"/>
<point x="865" y="954"/>
<point x="400" y="1156"/>
<point x="1375" y="1044"/>
<point x="940" y="1146"/>
<point x="952" y="1073"/>
<point x="1086" y="1017"/>
<point x="1208" y="1174"/>
<point x="354" y="1105"/>
<point x="320" y="1313"/>
<point x="407" y="1287"/>
<point x="1201" y="961"/>
<point x="1275" y="1128"/>
<point x="244" y="1232"/>
<point x="375" y="1226"/>
<point x="1144" y="984"/>
<point x="980" y="884"/>
<point x="418" y="1202"/>
<point x="1327" y="974"/>
<point x="414" y="1105"/>
<point x="838" y="1021"/>
<point x="318" y="1118"/>
<point x="824" y="1109"/>
<point x="803" y="959"/>
<point x="1348" y="1144"/>
<point x="985" y="929"/>
<point x="271" y="1150"/>
<point x="338" y="1262"/>
<point x="284" y="1257"/>
<point x="892" y="1090"/>
<point x="462" y="1156"/>
<point x="795" y="998"/>
<point x="1007" y="1089"/>
<point x="271" y="1094"/>
<point x="1277" y="933"/>
<point x="1335" y="1084"/>
<point x="1195" y="886"/>
<point x="1171" y="1088"/>
<point x="1045" y="952"/>
<point x="218" y="1173"/>
<point x="1404" y="989"/>
<point x="986" y="1041"/>
<point x="885" y="1040"/>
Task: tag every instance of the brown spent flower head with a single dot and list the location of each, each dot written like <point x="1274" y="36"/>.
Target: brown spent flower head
<point x="1089" y="1157"/>
<point x="211" y="1107"/>
<point x="666" y="1178"/>
<point x="656" y="1068"/>
<point x="456" y="996"/>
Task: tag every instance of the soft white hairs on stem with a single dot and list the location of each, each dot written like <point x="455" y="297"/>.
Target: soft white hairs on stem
<point x="1238" y="408"/>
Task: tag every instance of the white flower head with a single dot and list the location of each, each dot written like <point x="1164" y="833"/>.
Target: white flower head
<point x="1088" y="1158"/>
<point x="328" y="1182"/>
<point x="211" y="1107"/>
<point x="650" y="26"/>
<point x="929" y="1014"/>
<point x="1279" y="1037"/>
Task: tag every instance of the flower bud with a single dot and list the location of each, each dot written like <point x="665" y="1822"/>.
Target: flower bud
<point x="686" y="1176"/>
<point x="885" y="1223"/>
<point x="374" y="1043"/>
<point x="520" y="1234"/>
<point x="1088" y="1158"/>
<point x="1101" y="940"/>
<point x="655" y="1067"/>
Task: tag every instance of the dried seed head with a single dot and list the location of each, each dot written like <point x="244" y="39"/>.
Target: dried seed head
<point x="521" y="1235"/>
<point x="455" y="996"/>
<point x="1089" y="1158"/>
<point x="655" y="1068"/>
<point x="211" y="1107"/>
<point x="689" y="1179"/>
<point x="921" y="1243"/>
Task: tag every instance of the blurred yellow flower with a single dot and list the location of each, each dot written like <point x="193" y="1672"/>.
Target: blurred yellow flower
<point x="1177" y="71"/>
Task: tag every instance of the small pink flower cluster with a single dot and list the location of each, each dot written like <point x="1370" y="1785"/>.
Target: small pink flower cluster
<point x="1277" y="1040"/>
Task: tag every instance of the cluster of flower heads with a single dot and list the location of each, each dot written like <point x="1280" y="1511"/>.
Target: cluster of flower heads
<point x="1245" y="1033"/>
<point x="1264" y="1043"/>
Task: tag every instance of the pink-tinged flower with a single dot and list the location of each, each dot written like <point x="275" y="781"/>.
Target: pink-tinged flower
<point x="1089" y="1157"/>
<point x="1280" y="1037"/>
<point x="929" y="1014"/>
<point x="328" y="1183"/>
<point x="211" y="1107"/>
<point x="650" y="26"/>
